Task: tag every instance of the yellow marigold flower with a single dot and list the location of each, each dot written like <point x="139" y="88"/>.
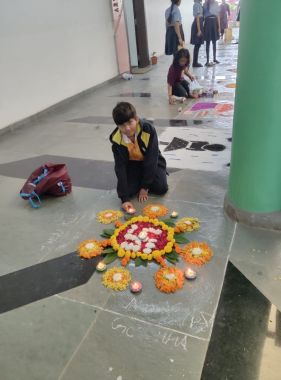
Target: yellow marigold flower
<point x="116" y="278"/>
<point x="109" y="216"/>
<point x="187" y="224"/>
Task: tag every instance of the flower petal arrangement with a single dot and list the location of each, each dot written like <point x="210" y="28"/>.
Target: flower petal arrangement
<point x="187" y="224"/>
<point x="155" y="210"/>
<point x="116" y="278"/>
<point x="144" y="239"/>
<point x="109" y="216"/>
<point x="169" y="280"/>
<point x="196" y="253"/>
<point x="89" y="249"/>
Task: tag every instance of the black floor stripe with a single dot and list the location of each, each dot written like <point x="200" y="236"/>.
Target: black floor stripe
<point x="44" y="280"/>
<point x="92" y="174"/>
<point x="133" y="95"/>
<point x="156" y="122"/>
<point x="240" y="329"/>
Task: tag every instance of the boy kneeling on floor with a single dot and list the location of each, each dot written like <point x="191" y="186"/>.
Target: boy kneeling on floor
<point x="139" y="166"/>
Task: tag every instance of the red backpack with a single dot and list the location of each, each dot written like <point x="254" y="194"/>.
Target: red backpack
<point x="51" y="179"/>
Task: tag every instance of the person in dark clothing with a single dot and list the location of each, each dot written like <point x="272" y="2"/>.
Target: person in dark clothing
<point x="139" y="165"/>
<point x="177" y="85"/>
<point x="174" y="30"/>
<point x="197" y="38"/>
<point x="211" y="28"/>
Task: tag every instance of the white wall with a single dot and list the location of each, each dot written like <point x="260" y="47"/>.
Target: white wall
<point x="51" y="50"/>
<point x="155" y="19"/>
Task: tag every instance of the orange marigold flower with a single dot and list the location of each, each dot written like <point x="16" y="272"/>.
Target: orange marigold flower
<point x="118" y="223"/>
<point x="197" y="253"/>
<point x="89" y="248"/>
<point x="161" y="261"/>
<point x="105" y="243"/>
<point x="155" y="210"/>
<point x="177" y="248"/>
<point x="125" y="261"/>
<point x="169" y="280"/>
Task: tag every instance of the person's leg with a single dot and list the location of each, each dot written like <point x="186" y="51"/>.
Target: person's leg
<point x="179" y="90"/>
<point x="214" y="42"/>
<point x="185" y="85"/>
<point x="134" y="175"/>
<point x="195" y="56"/>
<point x="159" y="185"/>
<point x="208" y="52"/>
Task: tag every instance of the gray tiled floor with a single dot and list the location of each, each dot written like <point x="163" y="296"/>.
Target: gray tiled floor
<point x="91" y="332"/>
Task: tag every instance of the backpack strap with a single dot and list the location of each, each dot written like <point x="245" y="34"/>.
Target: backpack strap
<point x="34" y="204"/>
<point x="40" y="177"/>
<point x="61" y="185"/>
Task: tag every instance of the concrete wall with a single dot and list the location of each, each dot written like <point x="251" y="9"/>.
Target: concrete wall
<point x="155" y="19"/>
<point x="50" y="51"/>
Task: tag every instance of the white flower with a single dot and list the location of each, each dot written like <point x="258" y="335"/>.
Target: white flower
<point x="90" y="245"/>
<point x="150" y="245"/>
<point x="197" y="251"/>
<point x="136" y="248"/>
<point x="147" y="250"/>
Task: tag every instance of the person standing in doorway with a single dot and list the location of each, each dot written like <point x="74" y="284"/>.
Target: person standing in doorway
<point x="174" y="30"/>
<point x="197" y="38"/>
<point x="211" y="28"/>
<point x="224" y="14"/>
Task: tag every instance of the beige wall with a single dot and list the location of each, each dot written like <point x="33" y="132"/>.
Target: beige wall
<point x="50" y="50"/>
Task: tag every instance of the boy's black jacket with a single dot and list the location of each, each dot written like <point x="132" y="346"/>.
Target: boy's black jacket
<point x="148" y="143"/>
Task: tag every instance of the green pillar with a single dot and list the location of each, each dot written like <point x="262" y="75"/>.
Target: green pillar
<point x="255" y="172"/>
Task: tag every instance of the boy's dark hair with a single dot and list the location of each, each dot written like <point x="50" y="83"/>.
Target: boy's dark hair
<point x="182" y="53"/>
<point x="123" y="112"/>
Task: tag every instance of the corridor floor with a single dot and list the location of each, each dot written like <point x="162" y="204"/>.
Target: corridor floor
<point x="58" y="322"/>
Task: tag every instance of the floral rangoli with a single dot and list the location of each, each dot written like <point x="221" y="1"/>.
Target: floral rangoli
<point x="143" y="239"/>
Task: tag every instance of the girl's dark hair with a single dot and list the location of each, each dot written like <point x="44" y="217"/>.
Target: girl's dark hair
<point x="123" y="112"/>
<point x="182" y="53"/>
<point x="174" y="2"/>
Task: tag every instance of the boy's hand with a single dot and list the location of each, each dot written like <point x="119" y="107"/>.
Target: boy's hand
<point x="128" y="207"/>
<point x="143" y="195"/>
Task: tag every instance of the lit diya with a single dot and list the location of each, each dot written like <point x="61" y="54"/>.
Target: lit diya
<point x="101" y="267"/>
<point x="131" y="210"/>
<point x="190" y="274"/>
<point x="136" y="287"/>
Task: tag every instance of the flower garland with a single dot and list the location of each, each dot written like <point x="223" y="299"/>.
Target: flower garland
<point x="109" y="216"/>
<point x="196" y="253"/>
<point x="116" y="278"/>
<point x="89" y="249"/>
<point x="169" y="280"/>
<point x="187" y="224"/>
<point x="142" y="237"/>
<point x="155" y="210"/>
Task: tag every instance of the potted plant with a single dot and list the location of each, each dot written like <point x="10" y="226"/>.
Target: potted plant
<point x="154" y="58"/>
